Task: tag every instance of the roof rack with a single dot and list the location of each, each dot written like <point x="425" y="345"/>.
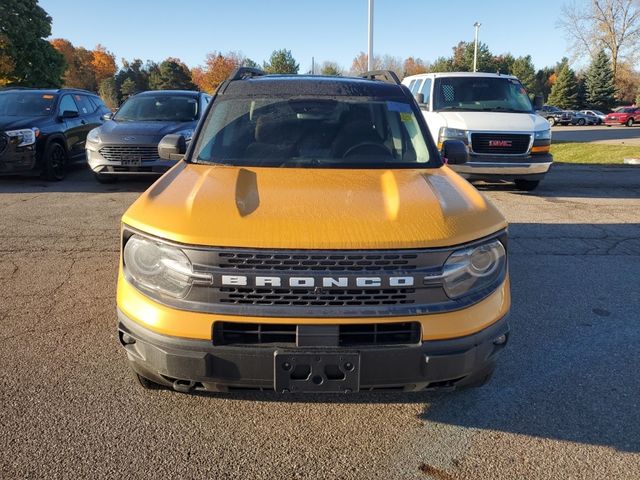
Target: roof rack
<point x="241" y="73"/>
<point x="387" y="76"/>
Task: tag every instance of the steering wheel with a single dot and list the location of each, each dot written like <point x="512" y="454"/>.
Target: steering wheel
<point x="361" y="146"/>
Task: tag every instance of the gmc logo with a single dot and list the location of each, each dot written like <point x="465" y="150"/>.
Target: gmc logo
<point x="500" y="143"/>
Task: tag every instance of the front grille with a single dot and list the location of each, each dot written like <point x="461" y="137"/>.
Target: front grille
<point x="488" y="143"/>
<point x="308" y="298"/>
<point x="4" y="141"/>
<point x="318" y="262"/>
<point x="368" y="334"/>
<point x="118" y="153"/>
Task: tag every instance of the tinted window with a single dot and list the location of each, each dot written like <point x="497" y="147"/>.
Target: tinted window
<point x="27" y="104"/>
<point x="67" y="104"/>
<point x="84" y="104"/>
<point x="487" y="94"/>
<point x="342" y="132"/>
<point x="159" y="108"/>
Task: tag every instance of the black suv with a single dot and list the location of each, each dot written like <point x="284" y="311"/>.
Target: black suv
<point x="555" y="116"/>
<point x="45" y="130"/>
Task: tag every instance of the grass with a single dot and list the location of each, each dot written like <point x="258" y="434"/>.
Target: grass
<point x="592" y="153"/>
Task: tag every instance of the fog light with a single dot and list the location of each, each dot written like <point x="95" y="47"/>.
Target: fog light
<point x="501" y="340"/>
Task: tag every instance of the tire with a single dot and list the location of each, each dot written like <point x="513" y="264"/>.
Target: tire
<point x="629" y="123"/>
<point x="581" y="122"/>
<point x="54" y="162"/>
<point x="146" y="383"/>
<point x="526" y="185"/>
<point x="105" y="179"/>
<point x="551" y="120"/>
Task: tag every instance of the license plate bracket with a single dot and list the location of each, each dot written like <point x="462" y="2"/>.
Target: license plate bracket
<point x="316" y="372"/>
<point x="131" y="160"/>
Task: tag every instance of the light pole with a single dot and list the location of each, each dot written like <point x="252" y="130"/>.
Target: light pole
<point x="370" y="50"/>
<point x="475" y="49"/>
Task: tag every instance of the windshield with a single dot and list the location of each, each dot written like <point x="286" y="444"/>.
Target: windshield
<point x="335" y="132"/>
<point x="627" y="110"/>
<point x="158" y="108"/>
<point x="26" y="104"/>
<point x="486" y="94"/>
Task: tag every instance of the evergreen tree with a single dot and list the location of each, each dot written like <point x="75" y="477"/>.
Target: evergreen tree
<point x="108" y="93"/>
<point x="171" y="74"/>
<point x="599" y="83"/>
<point x="281" y="61"/>
<point x="564" y="93"/>
<point x="522" y="67"/>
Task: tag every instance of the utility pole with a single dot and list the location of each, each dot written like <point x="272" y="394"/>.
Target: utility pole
<point x="313" y="66"/>
<point x="475" y="49"/>
<point x="370" y="50"/>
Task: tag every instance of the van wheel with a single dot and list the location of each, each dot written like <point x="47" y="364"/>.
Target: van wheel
<point x="55" y="162"/>
<point x="552" y="121"/>
<point x="146" y="383"/>
<point x="526" y="185"/>
<point x="629" y="122"/>
<point x="105" y="179"/>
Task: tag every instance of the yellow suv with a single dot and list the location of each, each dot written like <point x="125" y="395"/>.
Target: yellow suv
<point x="312" y="239"/>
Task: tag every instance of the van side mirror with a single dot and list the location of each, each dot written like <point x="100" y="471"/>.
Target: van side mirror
<point x="420" y="98"/>
<point x="455" y="152"/>
<point x="538" y="102"/>
<point x="172" y="147"/>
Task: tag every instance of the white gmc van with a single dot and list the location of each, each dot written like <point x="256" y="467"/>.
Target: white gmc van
<point x="493" y="115"/>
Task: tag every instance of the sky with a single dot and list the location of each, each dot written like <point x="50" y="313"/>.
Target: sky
<point x="327" y="29"/>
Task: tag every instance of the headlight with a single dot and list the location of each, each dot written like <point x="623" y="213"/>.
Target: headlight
<point x="543" y="135"/>
<point x="94" y="136"/>
<point x="158" y="267"/>
<point x="447" y="133"/>
<point x="25" y="136"/>
<point x="472" y="269"/>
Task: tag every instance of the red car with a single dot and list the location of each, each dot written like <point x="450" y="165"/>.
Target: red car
<point x="625" y="116"/>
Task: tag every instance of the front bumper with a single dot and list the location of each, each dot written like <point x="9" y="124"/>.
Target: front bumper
<point x="99" y="164"/>
<point x="531" y="167"/>
<point x="187" y="364"/>
<point x="17" y="159"/>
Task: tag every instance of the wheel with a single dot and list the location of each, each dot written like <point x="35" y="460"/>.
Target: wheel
<point x="477" y="379"/>
<point x="551" y="120"/>
<point x="581" y="122"/>
<point x="629" y="122"/>
<point x="146" y="383"/>
<point x="105" y="179"/>
<point x="526" y="185"/>
<point x="54" y="162"/>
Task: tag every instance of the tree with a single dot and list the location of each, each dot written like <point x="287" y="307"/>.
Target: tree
<point x="247" y="62"/>
<point x="171" y="74"/>
<point x="522" y="67"/>
<point x="359" y="65"/>
<point x="543" y="82"/>
<point x="127" y="88"/>
<point x="26" y="58"/>
<point x="462" y="60"/>
<point x="138" y="74"/>
<point x="395" y="64"/>
<point x="599" y="83"/>
<point x="108" y="92"/>
<point x="281" y="61"/>
<point x="413" y="66"/>
<point x="442" y="64"/>
<point x="564" y="93"/>
<point x="217" y="68"/>
<point x="613" y="25"/>
<point x="103" y="63"/>
<point x="79" y="72"/>
<point x="627" y="83"/>
<point x="330" y="68"/>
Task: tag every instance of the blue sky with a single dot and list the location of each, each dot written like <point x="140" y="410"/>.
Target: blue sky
<point x="325" y="29"/>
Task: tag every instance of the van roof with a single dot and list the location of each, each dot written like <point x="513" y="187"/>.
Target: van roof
<point x="457" y="74"/>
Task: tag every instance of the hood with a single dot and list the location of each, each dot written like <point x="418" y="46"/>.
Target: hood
<point x="495" y="121"/>
<point x="143" y="132"/>
<point x="14" y="123"/>
<point x="313" y="208"/>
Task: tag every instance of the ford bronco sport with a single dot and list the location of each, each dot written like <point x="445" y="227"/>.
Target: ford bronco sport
<point x="312" y="239"/>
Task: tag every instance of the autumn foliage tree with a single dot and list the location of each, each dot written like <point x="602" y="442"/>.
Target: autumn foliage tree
<point x="85" y="68"/>
<point x="414" y="66"/>
<point x="217" y="67"/>
<point x="103" y="63"/>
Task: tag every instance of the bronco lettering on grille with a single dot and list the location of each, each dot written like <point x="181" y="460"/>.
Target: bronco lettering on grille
<point x="312" y="282"/>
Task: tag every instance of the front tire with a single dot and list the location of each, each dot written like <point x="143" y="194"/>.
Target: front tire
<point x="54" y="162"/>
<point x="526" y="185"/>
<point x="629" y="122"/>
<point x="551" y="120"/>
<point x="105" y="179"/>
<point x="581" y="122"/>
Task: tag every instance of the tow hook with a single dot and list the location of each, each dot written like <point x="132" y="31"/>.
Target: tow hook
<point x="184" y="386"/>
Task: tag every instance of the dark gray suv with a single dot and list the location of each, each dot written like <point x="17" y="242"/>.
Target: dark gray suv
<point x="128" y="142"/>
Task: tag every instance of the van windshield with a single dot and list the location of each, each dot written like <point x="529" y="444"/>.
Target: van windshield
<point x="319" y="132"/>
<point x="484" y="94"/>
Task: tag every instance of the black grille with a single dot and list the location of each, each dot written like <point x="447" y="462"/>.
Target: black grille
<point x="490" y="143"/>
<point x="117" y="153"/>
<point x="368" y="334"/>
<point x="3" y="142"/>
<point x="318" y="262"/>
<point x="309" y="298"/>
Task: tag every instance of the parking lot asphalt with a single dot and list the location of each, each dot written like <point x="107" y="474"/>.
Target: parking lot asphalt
<point x="563" y="403"/>
<point x="614" y="135"/>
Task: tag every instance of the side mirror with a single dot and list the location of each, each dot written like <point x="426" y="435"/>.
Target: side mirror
<point x="69" y="114"/>
<point x="420" y="98"/>
<point x="538" y="102"/>
<point x="455" y="152"/>
<point x="107" y="116"/>
<point x="172" y="147"/>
